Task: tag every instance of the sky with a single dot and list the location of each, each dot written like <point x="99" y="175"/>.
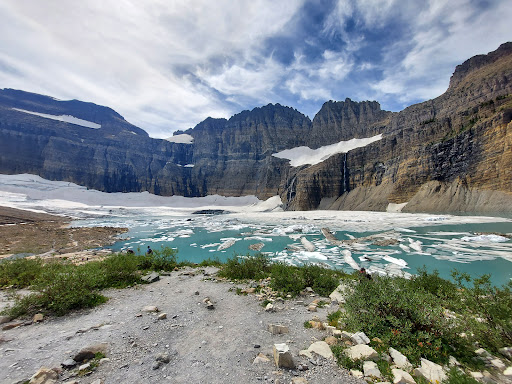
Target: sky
<point x="166" y="65"/>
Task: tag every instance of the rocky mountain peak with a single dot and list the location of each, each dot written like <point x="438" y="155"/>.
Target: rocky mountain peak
<point x="476" y="62"/>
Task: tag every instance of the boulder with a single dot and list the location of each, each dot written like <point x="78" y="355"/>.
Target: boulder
<point x="476" y="375"/>
<point x="506" y="351"/>
<point x="150" y="277"/>
<point x="508" y="371"/>
<point x="498" y="364"/>
<point x="400" y="360"/>
<point x="89" y="352"/>
<point x="331" y="340"/>
<point x="261" y="358"/>
<point x="346" y="336"/>
<point x="431" y="371"/>
<point x="402" y="377"/>
<point x="277" y="329"/>
<point x="162" y="316"/>
<point x="163" y="358"/>
<point x="356" y="373"/>
<point x="44" y="376"/>
<point x="38" y="317"/>
<point x="69" y="363"/>
<point x="282" y="356"/>
<point x="361" y="351"/>
<point x="360" y="338"/>
<point x="370" y="369"/>
<point x="321" y="348"/>
<point x="84" y="367"/>
<point x="312" y="307"/>
<point x="306" y="353"/>
<point x="150" y="308"/>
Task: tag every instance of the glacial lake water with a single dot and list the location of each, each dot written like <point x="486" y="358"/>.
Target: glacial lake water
<point x="394" y="243"/>
<point x="436" y="246"/>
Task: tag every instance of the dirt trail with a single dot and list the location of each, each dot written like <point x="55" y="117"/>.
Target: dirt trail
<point x="206" y="346"/>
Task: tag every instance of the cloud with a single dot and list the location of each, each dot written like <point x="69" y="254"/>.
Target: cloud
<point x="168" y="65"/>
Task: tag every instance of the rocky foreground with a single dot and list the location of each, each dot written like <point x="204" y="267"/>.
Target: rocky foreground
<point x="189" y="326"/>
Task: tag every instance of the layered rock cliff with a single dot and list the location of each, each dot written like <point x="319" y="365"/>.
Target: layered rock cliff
<point x="452" y="153"/>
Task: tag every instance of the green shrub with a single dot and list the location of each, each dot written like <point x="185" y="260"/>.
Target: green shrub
<point x="333" y="318"/>
<point x="307" y="324"/>
<point x="287" y="279"/>
<point x="457" y="377"/>
<point x="485" y="311"/>
<point x="244" y="268"/>
<point x="20" y="272"/>
<point x="164" y="259"/>
<point x="405" y="318"/>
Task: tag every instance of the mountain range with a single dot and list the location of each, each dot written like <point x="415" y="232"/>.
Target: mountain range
<point x="449" y="154"/>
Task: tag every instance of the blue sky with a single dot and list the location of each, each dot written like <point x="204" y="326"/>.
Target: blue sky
<point x="167" y="65"/>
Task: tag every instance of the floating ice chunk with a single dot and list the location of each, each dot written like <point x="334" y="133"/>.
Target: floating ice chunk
<point x="415" y="244"/>
<point x="210" y="245"/>
<point x="307" y="244"/>
<point x="486" y="238"/>
<point x="400" y="262"/>
<point x="347" y="256"/>
<point x="228" y="243"/>
<point x="258" y="238"/>
<point x="405" y="230"/>
<point x="306" y="255"/>
<point x="405" y="248"/>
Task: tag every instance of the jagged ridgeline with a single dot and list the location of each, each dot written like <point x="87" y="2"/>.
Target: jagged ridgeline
<point x="449" y="154"/>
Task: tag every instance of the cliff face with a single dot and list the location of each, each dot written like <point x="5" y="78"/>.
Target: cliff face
<point x="452" y="153"/>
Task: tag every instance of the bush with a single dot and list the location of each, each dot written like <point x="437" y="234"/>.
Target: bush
<point x="160" y="260"/>
<point x="485" y="311"/>
<point x="408" y="319"/>
<point x="20" y="272"/>
<point x="249" y="267"/>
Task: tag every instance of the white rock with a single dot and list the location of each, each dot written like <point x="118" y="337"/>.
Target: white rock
<point x="361" y="351"/>
<point x="476" y="375"/>
<point x="338" y="294"/>
<point x="483" y="353"/>
<point x="44" y="376"/>
<point x="277" y="329"/>
<point x="497" y="363"/>
<point x="321" y="348"/>
<point x="306" y="353"/>
<point x="431" y="371"/>
<point x="269" y="308"/>
<point x="370" y="369"/>
<point x="282" y="356"/>
<point x="356" y="373"/>
<point x="360" y="338"/>
<point x="402" y="377"/>
<point x="400" y="360"/>
<point x="261" y="358"/>
<point x="85" y="366"/>
<point x="508" y="371"/>
<point x="150" y="308"/>
<point x="162" y="316"/>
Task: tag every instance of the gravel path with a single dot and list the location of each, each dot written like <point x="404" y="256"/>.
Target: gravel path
<point x="205" y="346"/>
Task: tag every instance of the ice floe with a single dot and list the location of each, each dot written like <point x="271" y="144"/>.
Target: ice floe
<point x="486" y="238"/>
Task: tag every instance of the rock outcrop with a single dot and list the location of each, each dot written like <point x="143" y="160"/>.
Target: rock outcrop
<point x="451" y="153"/>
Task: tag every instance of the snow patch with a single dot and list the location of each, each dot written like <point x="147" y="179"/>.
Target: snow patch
<point x="304" y="155"/>
<point x="64" y="118"/>
<point x="181" y="139"/>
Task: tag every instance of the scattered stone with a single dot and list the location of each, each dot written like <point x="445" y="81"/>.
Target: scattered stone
<point x="508" y="371"/>
<point x="38" y="317"/>
<point x="356" y="373"/>
<point x="12" y="325"/>
<point x="5" y="319"/>
<point x="69" y="363"/>
<point x="261" y="358"/>
<point x="84" y="367"/>
<point x="321" y="348"/>
<point x="316" y="324"/>
<point x="156" y="365"/>
<point x="360" y="338"/>
<point x="249" y="290"/>
<point x="299" y="380"/>
<point x="44" y="376"/>
<point x="162" y="316"/>
<point x="402" y="377"/>
<point x="89" y="352"/>
<point x="331" y="340"/>
<point x="282" y="356"/>
<point x="196" y="293"/>
<point x="269" y="308"/>
<point x="163" y="358"/>
<point x="309" y="290"/>
<point x="312" y="307"/>
<point x="483" y="353"/>
<point x="400" y="360"/>
<point x="150" y="277"/>
<point x="257" y="346"/>
<point x="277" y="329"/>
<point x="497" y="363"/>
<point x="370" y="369"/>
<point x="302" y="367"/>
<point x="452" y="362"/>
<point x="97" y="381"/>
<point x="346" y="336"/>
<point x="431" y="371"/>
<point x="150" y="308"/>
<point x="361" y="351"/>
<point x="476" y="375"/>
<point x="506" y="351"/>
<point x="305" y="353"/>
